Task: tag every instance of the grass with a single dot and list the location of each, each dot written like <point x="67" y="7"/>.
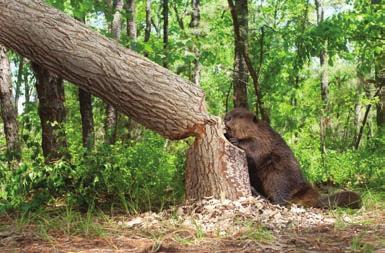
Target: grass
<point x="358" y="245"/>
<point x="67" y="222"/>
<point x="256" y="233"/>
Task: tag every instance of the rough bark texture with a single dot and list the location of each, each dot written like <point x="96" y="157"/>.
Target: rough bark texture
<point x="165" y="32"/>
<point x="50" y="92"/>
<point x="85" y="103"/>
<point x="194" y="25"/>
<point x="224" y="177"/>
<point x="8" y="110"/>
<point x="240" y="74"/>
<point x="149" y="93"/>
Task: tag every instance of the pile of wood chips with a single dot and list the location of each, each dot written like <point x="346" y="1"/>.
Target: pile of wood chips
<point x="224" y="217"/>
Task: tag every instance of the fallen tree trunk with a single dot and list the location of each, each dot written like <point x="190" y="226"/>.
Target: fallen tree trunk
<point x="147" y="92"/>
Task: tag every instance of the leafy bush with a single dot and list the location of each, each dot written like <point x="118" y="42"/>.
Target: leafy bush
<point x="143" y="176"/>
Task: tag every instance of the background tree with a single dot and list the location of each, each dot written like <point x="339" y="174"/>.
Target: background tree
<point x="8" y="110"/>
<point x="194" y="25"/>
<point x="50" y="91"/>
<point x="165" y="31"/>
<point x="240" y="76"/>
<point x="85" y="100"/>
<point x="112" y="115"/>
<point x="323" y="58"/>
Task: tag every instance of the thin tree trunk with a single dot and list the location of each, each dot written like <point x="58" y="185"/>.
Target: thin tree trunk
<point x="240" y="74"/>
<point x="8" y="110"/>
<point x="147" y="92"/>
<point x="260" y="108"/>
<point x="27" y="90"/>
<point x="165" y="32"/>
<point x="361" y="131"/>
<point x="179" y="19"/>
<point x="380" y="84"/>
<point x="381" y="109"/>
<point x="85" y="103"/>
<point x="134" y="130"/>
<point x="324" y="79"/>
<point x="131" y="22"/>
<point x="50" y="92"/>
<point x="194" y="25"/>
<point x="19" y="81"/>
<point x="111" y="123"/>
<point x="147" y="30"/>
<point x="86" y="114"/>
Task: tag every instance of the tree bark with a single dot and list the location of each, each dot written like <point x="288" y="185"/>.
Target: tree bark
<point x="194" y="25"/>
<point x="50" y="92"/>
<point x="224" y="177"/>
<point x="131" y="22"/>
<point x="165" y="32"/>
<point x="147" y="92"/>
<point x="134" y="130"/>
<point x="111" y="123"/>
<point x="240" y="74"/>
<point x="260" y="108"/>
<point x="147" y="29"/>
<point x="87" y="117"/>
<point x="8" y="110"/>
<point x="86" y="114"/>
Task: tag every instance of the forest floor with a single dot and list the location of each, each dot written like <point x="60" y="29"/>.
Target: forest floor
<point x="212" y="226"/>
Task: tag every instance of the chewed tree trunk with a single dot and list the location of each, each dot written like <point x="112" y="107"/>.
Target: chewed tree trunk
<point x="216" y="168"/>
<point x="149" y="93"/>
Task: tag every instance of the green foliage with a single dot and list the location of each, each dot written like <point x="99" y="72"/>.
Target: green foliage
<point x="146" y="175"/>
